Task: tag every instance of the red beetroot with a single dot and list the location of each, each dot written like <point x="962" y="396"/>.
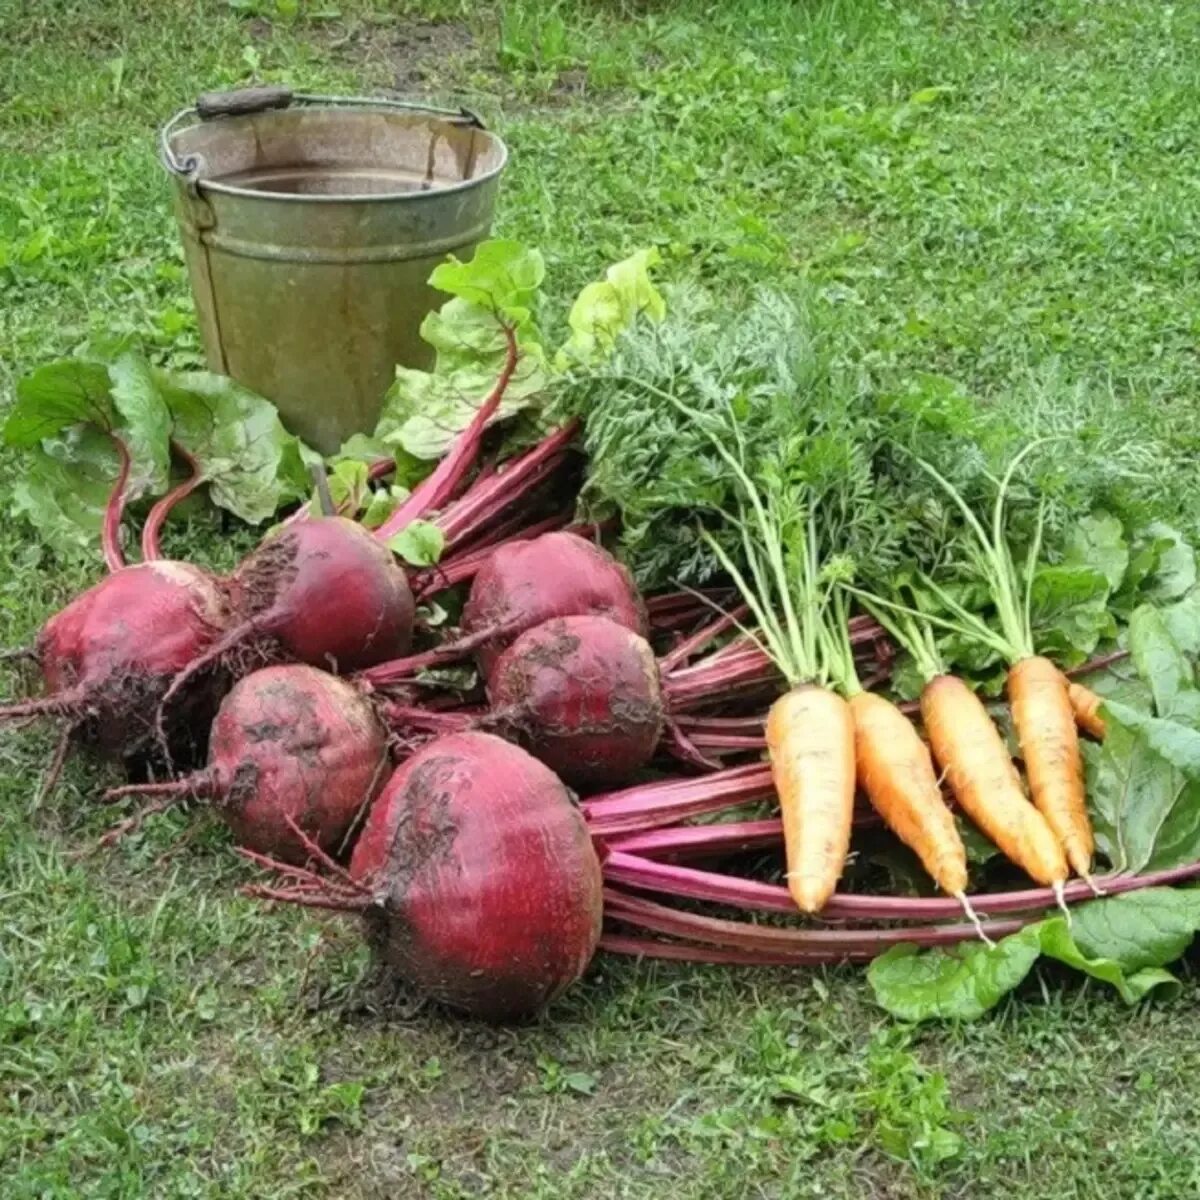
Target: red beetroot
<point x="329" y="592"/>
<point x="108" y="658"/>
<point x="477" y="878"/>
<point x="557" y="574"/>
<point x="583" y="695"/>
<point x="323" y="592"/>
<point x="292" y="749"/>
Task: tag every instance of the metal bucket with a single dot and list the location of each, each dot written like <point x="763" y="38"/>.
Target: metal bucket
<point x="310" y="226"/>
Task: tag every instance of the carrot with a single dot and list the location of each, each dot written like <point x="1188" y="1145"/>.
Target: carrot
<point x="800" y="624"/>
<point x="896" y="772"/>
<point x="811" y="740"/>
<point x="1042" y="712"/>
<point x="1086" y="706"/>
<point x="1045" y="724"/>
<point x="968" y="746"/>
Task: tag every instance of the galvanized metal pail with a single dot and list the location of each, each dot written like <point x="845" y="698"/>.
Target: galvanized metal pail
<point x="310" y="226"/>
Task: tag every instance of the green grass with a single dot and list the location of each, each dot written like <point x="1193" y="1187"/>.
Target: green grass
<point x="977" y="188"/>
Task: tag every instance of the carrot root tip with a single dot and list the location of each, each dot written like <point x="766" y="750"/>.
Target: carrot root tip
<point x="973" y="917"/>
<point x="1061" y="899"/>
<point x="1097" y="890"/>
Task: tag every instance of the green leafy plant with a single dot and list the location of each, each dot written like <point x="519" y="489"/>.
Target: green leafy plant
<point x="68" y="413"/>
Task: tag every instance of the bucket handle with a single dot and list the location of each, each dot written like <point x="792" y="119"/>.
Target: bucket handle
<point x="243" y="101"/>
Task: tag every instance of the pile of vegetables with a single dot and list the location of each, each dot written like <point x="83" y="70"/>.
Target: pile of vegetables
<point x="847" y="647"/>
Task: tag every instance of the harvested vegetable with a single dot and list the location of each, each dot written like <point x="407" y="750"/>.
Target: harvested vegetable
<point x="810" y="729"/>
<point x="476" y="876"/>
<point x="323" y="592"/>
<point x="328" y="592"/>
<point x="294" y="751"/>
<point x="583" y="695"/>
<point x="968" y="747"/>
<point x="1085" y="704"/>
<point x="896" y="772"/>
<point x="1041" y="707"/>
<point x="525" y="584"/>
<point x="109" y="657"/>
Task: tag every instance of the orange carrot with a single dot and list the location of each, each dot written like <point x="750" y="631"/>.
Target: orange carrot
<point x="896" y="772"/>
<point x="810" y="736"/>
<point x="1041" y="706"/>
<point x="968" y="746"/>
<point x="1086" y="706"/>
<point x="1045" y="725"/>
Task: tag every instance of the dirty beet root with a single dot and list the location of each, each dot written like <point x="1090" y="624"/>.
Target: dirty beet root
<point x="109" y="657"/>
<point x="487" y="886"/>
<point x="293" y="751"/>
<point x="329" y="592"/>
<point x="323" y="592"/>
<point x="476" y="877"/>
<point x="558" y="574"/>
<point x="582" y="694"/>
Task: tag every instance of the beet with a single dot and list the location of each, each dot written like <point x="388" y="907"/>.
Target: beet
<point x="583" y="695"/>
<point x="323" y="592"/>
<point x="523" y="584"/>
<point x="486" y="887"/>
<point x="109" y="657"/>
<point x="329" y="593"/>
<point x="292" y="749"/>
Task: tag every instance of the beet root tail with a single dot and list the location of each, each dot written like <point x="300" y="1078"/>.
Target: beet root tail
<point x="308" y="897"/>
<point x="198" y="786"/>
<point x="54" y="770"/>
<point x="63" y="704"/>
<point x="335" y="889"/>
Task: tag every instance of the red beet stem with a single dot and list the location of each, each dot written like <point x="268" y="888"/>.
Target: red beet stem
<point x="678" y="744"/>
<point x="1097" y="664"/>
<point x="638" y="947"/>
<point x="437" y="488"/>
<point x="114" y="510"/>
<point x="752" y="895"/>
<point x="699" y="840"/>
<point x="465" y="517"/>
<point x="409" y="716"/>
<point x="401" y="670"/>
<point x="713" y="741"/>
<point x="718" y="677"/>
<point x="744" y="935"/>
<point x="670" y="610"/>
<point x="694" y="644"/>
<point x="739" y="666"/>
<point x="152" y="530"/>
<point x="705" y="724"/>
<point x="649" y="805"/>
<point x="517" y="526"/>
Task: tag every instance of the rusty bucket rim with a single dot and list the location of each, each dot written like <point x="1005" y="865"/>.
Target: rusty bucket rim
<point x="188" y="170"/>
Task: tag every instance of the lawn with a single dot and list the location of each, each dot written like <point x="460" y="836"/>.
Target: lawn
<point x="977" y="189"/>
